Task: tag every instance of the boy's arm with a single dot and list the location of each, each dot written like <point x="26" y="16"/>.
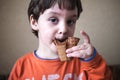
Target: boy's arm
<point x="93" y="64"/>
<point x="96" y="69"/>
<point x="14" y="74"/>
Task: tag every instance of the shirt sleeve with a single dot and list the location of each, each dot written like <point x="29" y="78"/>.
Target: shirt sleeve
<point x="15" y="72"/>
<point x="96" y="69"/>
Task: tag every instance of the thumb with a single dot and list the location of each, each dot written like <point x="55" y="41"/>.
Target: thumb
<point x="85" y="36"/>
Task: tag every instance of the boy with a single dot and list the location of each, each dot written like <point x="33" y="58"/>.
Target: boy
<point x="55" y="20"/>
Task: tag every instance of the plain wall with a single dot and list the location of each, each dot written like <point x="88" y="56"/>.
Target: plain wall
<point x="100" y="19"/>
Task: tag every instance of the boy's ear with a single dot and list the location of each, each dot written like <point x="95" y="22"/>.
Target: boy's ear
<point x="33" y="23"/>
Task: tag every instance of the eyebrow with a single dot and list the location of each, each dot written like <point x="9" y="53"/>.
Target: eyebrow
<point x="75" y="15"/>
<point x="56" y="13"/>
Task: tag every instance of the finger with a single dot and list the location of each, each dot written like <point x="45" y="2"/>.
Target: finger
<point x="80" y="54"/>
<point x="73" y="54"/>
<point x="85" y="36"/>
<point x="75" y="48"/>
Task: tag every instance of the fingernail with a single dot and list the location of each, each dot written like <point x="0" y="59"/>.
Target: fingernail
<point x="68" y="55"/>
<point x="67" y="51"/>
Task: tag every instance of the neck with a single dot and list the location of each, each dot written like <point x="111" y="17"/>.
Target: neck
<point x="46" y="53"/>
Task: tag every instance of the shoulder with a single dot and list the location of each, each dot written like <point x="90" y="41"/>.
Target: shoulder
<point x="22" y="65"/>
<point x="25" y="59"/>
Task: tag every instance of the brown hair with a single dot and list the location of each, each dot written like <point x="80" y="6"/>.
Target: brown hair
<point x="37" y="7"/>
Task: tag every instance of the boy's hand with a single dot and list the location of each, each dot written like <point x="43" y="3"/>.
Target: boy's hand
<point x="84" y="50"/>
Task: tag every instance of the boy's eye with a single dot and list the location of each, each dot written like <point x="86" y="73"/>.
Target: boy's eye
<point x="71" y="22"/>
<point x="53" y="20"/>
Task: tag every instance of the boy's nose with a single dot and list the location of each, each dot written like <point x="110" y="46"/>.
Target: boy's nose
<point x="62" y="29"/>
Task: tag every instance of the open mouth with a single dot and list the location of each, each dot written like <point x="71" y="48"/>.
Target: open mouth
<point x="58" y="41"/>
<point x="61" y="40"/>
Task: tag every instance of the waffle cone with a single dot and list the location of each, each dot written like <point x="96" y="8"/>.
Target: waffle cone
<point x="72" y="41"/>
<point x="62" y="46"/>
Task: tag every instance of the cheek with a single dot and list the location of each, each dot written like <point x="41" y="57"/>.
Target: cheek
<point x="71" y="31"/>
<point x="47" y="36"/>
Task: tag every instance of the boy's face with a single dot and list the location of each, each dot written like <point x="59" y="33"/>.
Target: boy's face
<point x="55" y="23"/>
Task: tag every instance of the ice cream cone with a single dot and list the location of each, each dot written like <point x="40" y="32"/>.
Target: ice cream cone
<point x="62" y="46"/>
<point x="72" y="41"/>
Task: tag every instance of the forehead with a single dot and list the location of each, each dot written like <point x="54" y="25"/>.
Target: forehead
<point x="57" y="10"/>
